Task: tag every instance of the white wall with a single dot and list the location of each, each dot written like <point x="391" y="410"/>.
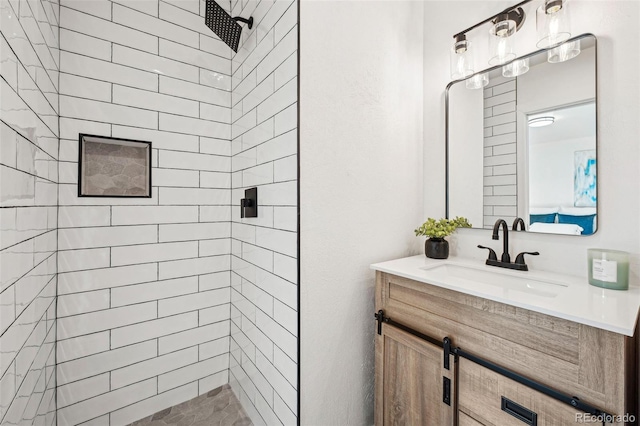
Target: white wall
<point x="144" y="284"/>
<point x="614" y="23"/>
<point x="466" y="145"/>
<point x="29" y="63"/>
<point x="361" y="185"/>
<point x="264" y="301"/>
<point x="551" y="173"/>
<point x="572" y="83"/>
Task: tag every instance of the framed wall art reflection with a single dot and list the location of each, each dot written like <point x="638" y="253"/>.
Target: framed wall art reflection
<point x="584" y="179"/>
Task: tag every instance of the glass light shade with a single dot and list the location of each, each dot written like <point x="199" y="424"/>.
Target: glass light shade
<point x="461" y="60"/>
<point x="501" y="42"/>
<point x="564" y="52"/>
<point x="552" y="24"/>
<point x="516" y="68"/>
<point x="478" y="81"/>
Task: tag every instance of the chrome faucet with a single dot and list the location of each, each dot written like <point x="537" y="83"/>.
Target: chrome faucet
<point x="505" y="259"/>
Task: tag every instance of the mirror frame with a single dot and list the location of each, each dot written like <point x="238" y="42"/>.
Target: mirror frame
<point x="487" y="70"/>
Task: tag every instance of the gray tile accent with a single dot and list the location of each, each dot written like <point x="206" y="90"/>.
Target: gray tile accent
<point x="500" y="159"/>
<point x="218" y="407"/>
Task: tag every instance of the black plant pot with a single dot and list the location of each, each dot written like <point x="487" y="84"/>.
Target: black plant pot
<point x="436" y="248"/>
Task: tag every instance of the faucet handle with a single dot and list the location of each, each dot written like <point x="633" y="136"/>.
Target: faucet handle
<point x="492" y="253"/>
<point x="520" y="257"/>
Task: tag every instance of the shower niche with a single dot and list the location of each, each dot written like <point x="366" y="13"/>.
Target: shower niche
<point x="112" y="167"/>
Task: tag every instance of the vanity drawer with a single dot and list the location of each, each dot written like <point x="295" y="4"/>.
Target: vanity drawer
<point x="555" y="337"/>
<point x="495" y="400"/>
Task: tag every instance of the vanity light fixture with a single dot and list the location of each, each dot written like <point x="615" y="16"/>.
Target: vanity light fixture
<point x="461" y="58"/>
<point x="552" y="23"/>
<point x="541" y="121"/>
<point x="504" y="25"/>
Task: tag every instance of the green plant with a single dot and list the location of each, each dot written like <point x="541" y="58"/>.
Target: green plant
<point x="441" y="228"/>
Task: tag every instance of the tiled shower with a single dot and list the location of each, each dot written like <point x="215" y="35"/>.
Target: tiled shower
<point x="112" y="309"/>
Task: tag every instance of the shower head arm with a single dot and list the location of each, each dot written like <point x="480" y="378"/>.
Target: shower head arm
<point x="249" y="21"/>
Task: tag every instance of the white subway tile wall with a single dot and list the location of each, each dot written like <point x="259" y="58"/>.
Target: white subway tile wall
<point x="500" y="196"/>
<point x="144" y="284"/>
<point x="264" y="268"/>
<point x="164" y="298"/>
<point x="29" y="65"/>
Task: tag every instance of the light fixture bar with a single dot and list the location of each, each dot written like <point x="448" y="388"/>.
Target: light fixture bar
<point x="507" y="10"/>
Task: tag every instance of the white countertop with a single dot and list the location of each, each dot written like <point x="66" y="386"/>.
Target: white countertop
<point x="574" y="300"/>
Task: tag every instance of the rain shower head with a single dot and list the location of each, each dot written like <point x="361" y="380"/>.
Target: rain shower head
<point x="224" y="25"/>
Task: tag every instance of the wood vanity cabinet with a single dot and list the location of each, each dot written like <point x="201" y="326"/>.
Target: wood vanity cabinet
<point x="597" y="366"/>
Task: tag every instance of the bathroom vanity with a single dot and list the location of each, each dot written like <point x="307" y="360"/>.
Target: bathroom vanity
<point x="518" y="343"/>
<point x="462" y="343"/>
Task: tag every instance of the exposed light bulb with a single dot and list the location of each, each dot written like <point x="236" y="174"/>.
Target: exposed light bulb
<point x="460" y="66"/>
<point x="502" y="49"/>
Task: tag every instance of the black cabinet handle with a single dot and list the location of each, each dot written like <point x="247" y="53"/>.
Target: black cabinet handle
<point x="446" y="390"/>
<point x="519" y="412"/>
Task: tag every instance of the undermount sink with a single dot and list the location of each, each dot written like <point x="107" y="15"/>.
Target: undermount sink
<point x="508" y="281"/>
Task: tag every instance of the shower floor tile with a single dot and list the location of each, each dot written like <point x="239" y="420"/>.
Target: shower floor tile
<point x="218" y="407"/>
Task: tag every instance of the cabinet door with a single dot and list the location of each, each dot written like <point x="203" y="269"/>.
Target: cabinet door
<point x="492" y="399"/>
<point x="410" y="381"/>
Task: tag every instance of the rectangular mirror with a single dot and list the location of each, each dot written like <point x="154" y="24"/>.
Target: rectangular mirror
<point x="525" y="146"/>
